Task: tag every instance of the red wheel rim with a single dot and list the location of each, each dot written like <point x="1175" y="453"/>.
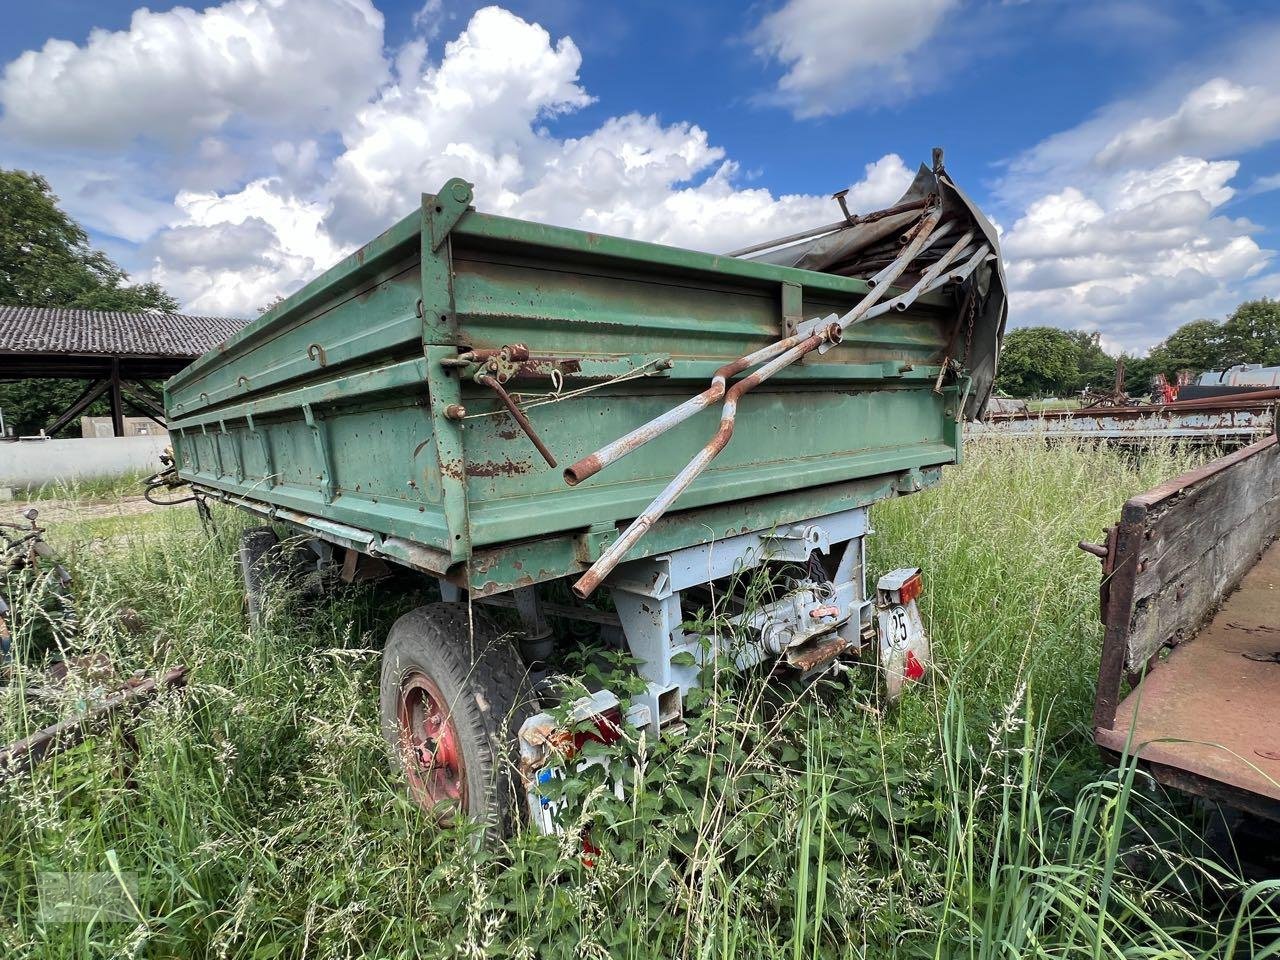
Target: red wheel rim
<point x="429" y="743"/>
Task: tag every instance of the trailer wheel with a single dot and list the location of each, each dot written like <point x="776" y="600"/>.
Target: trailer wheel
<point x="263" y="569"/>
<point x="452" y="703"/>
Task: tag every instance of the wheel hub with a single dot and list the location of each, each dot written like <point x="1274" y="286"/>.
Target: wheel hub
<point x="429" y="740"/>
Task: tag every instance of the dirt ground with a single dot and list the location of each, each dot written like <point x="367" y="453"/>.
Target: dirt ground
<point x="62" y="511"/>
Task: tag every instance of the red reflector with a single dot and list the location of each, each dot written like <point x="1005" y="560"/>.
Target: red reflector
<point x="608" y="730"/>
<point x="912" y="588"/>
<point x="914" y="668"/>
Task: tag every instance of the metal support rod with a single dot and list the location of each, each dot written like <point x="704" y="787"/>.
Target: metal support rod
<point x="117" y="401"/>
<point x="591" y="465"/>
<point x="902" y="302"/>
<point x="832" y="227"/>
<point x="588" y="582"/>
<point x="518" y="415"/>
<point x="925" y="236"/>
<point x="791" y="238"/>
<point x="830" y="334"/>
<point x="959" y="274"/>
<point x="562" y="611"/>
<point x="20" y="757"/>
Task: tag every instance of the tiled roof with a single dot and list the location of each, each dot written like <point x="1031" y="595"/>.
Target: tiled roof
<point x="74" y="331"/>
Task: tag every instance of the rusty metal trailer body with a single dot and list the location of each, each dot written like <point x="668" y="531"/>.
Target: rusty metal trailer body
<point x="1239" y="420"/>
<point x="416" y="403"/>
<point x="1191" y="608"/>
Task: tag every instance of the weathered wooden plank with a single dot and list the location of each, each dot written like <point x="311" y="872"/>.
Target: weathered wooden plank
<point x="1203" y="532"/>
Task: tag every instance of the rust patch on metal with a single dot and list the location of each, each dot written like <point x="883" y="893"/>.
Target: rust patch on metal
<point x="518" y="415"/>
<point x="499" y="468"/>
<point x="21" y="756"/>
<point x="817" y="652"/>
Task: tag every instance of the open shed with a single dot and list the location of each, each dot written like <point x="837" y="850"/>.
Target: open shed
<point x="117" y="353"/>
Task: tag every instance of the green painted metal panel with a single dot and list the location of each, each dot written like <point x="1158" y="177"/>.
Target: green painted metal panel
<point x="341" y="403"/>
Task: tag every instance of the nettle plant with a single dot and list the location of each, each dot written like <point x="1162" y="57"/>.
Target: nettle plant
<point x="762" y="761"/>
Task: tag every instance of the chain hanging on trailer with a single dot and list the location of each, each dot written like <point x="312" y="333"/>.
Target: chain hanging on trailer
<point x="972" y="320"/>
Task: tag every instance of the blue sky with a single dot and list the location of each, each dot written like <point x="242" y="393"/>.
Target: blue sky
<point x="1128" y="150"/>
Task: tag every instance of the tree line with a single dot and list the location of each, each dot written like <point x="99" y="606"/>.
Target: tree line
<point x="1048" y="362"/>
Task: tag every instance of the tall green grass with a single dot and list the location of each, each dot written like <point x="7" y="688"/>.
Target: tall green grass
<point x="974" y="819"/>
<point x="90" y="488"/>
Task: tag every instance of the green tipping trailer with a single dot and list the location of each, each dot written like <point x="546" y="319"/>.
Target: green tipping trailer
<point x="498" y="404"/>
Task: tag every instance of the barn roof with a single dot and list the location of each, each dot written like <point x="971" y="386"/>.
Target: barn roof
<point x="59" y="330"/>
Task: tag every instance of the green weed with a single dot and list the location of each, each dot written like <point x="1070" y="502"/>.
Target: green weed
<point x="257" y="813"/>
<point x="95" y="488"/>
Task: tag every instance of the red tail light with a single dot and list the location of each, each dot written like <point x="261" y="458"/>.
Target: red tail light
<point x="911" y="588"/>
<point x="608" y="730"/>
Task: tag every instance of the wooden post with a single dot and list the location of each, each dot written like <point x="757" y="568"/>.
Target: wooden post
<point x="117" y="401"/>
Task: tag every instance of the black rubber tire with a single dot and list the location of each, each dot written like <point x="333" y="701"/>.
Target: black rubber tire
<point x="490" y="696"/>
<point x="262" y="569"/>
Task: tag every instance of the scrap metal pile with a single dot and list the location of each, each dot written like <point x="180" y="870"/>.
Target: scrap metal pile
<point x="1227" y="421"/>
<point x="35" y="592"/>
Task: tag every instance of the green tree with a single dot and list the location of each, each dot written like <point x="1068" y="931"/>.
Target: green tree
<point x="1252" y="334"/>
<point x="1196" y="346"/>
<point x="1094" y="368"/>
<point x="46" y="260"/>
<point x="1139" y="372"/>
<point x="1038" y="362"/>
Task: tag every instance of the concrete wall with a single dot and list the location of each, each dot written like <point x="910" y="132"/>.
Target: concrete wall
<point x="133" y="427"/>
<point x="28" y="463"/>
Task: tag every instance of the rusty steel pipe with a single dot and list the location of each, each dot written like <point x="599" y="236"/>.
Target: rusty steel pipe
<point x="905" y="300"/>
<point x="592" y="464"/>
<point x="20" y="757"/>
<point x="955" y="276"/>
<point x="927" y="233"/>
<point x="1223" y="400"/>
<point x="832" y="227"/>
<point x="970" y="265"/>
<point x="914" y="293"/>
<point x="1096" y="549"/>
<point x="589" y="581"/>
<point x="518" y="415"/>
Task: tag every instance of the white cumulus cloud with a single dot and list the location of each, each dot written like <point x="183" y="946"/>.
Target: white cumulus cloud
<point x="181" y="74"/>
<point x="473" y="115"/>
<point x="1134" y="254"/>
<point x="1124" y="223"/>
<point x="1215" y="118"/>
<point x="235" y="253"/>
<point x="481" y="112"/>
<point x="839" y="55"/>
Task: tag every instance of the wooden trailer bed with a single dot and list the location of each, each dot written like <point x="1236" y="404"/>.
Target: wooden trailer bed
<point x="1192" y="613"/>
